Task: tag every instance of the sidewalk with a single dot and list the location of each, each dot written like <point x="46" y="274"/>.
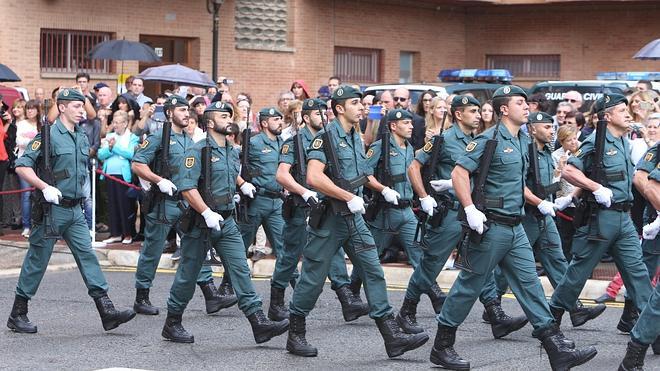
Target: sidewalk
<point x="13" y="248"/>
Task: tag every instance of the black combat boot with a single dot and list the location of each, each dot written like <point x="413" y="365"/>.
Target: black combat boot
<point x="581" y="314"/>
<point x="226" y="289"/>
<point x="557" y="313"/>
<point x="174" y="331"/>
<point x="501" y="323"/>
<point x="561" y="356"/>
<point x="407" y="317"/>
<point x="443" y="353"/>
<point x="437" y="297"/>
<point x="110" y="316"/>
<point x="277" y="310"/>
<point x="628" y="317"/>
<point x="351" y="308"/>
<point x="264" y="329"/>
<point x="634" y="359"/>
<point x="142" y="304"/>
<point x="296" y="342"/>
<point x="18" y="320"/>
<point x="355" y="286"/>
<point x="215" y="301"/>
<point x="396" y="341"/>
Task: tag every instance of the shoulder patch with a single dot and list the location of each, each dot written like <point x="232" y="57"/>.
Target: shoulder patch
<point x="35" y="145"/>
<point x="144" y="144"/>
<point x="190" y="161"/>
<point x="578" y="153"/>
<point x="285" y="149"/>
<point x="471" y="146"/>
<point x="428" y="147"/>
<point x="370" y="152"/>
<point x="317" y="143"/>
<point x="648" y="157"/>
<point x="658" y="166"/>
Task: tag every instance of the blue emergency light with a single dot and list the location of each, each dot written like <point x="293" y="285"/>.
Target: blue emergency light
<point x="471" y="74"/>
<point x="630" y="76"/>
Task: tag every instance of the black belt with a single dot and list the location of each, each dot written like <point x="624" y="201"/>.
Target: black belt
<point x="270" y="194"/>
<point x="620" y="206"/>
<point x="69" y="203"/>
<point x="403" y="204"/>
<point x="510" y="220"/>
<point x="175" y="197"/>
<point x="225" y="214"/>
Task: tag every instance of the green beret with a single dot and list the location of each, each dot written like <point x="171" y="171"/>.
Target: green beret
<point x="71" y="95"/>
<point x="510" y="91"/>
<point x="464" y="100"/>
<point x="540" y="118"/>
<point x="175" y="101"/>
<point x="399" y="114"/>
<point x="314" y="104"/>
<point x="609" y="100"/>
<point x="269" y="112"/>
<point x="219" y="107"/>
<point x="344" y="92"/>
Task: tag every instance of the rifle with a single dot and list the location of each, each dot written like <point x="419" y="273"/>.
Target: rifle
<point x="479" y="200"/>
<point x="246" y="174"/>
<point x="154" y="196"/>
<point x="384" y="175"/>
<point x="204" y="187"/>
<point x="299" y="171"/>
<point x="586" y="211"/>
<point x="46" y="174"/>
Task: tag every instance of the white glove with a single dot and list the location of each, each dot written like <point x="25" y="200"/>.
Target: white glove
<point x="166" y="186"/>
<point x="306" y="196"/>
<point x="212" y="219"/>
<point x="546" y="208"/>
<point x="562" y="202"/>
<point x="390" y="195"/>
<point x="604" y="196"/>
<point x="442" y="185"/>
<point x="236" y="197"/>
<point x="475" y="218"/>
<point x="52" y="195"/>
<point x="248" y="189"/>
<point x="650" y="231"/>
<point x="428" y="204"/>
<point x="356" y="205"/>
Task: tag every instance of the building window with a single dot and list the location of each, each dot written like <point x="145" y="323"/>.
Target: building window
<point x="66" y="51"/>
<point x="527" y="66"/>
<point x="262" y="25"/>
<point x="357" y="65"/>
<point x="405" y="67"/>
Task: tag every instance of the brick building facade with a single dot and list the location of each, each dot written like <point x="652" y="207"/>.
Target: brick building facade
<point x="265" y="45"/>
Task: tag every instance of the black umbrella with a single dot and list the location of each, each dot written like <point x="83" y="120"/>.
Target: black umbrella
<point x="650" y="51"/>
<point x="123" y="50"/>
<point x="6" y="74"/>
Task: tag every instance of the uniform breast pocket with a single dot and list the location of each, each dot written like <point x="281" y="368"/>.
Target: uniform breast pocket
<point x="346" y="161"/>
<point x="510" y="160"/>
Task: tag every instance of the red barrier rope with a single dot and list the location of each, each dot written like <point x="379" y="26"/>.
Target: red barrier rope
<point x="120" y="181"/>
<point x="14" y="191"/>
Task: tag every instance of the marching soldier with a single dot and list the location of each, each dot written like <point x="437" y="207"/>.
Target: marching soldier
<point x="497" y="238"/>
<point x="538" y="221"/>
<point x="212" y="225"/>
<point x="442" y="230"/>
<point x="647" y="328"/>
<point x="336" y="169"/>
<point x="60" y="153"/>
<point x="609" y="227"/>
<point x="650" y="246"/>
<point x="266" y="207"/>
<point x="165" y="213"/>
<point x="291" y="175"/>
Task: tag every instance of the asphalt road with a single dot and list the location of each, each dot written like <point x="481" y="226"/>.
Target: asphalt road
<point x="71" y="337"/>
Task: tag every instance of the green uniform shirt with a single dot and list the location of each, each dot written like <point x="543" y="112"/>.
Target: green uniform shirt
<point x="150" y="149"/>
<point x="455" y="141"/>
<point x="546" y="169"/>
<point x="288" y="152"/>
<point x="263" y="159"/>
<point x="225" y="167"/>
<point x="348" y="147"/>
<point x="506" y="176"/>
<point x="69" y="151"/>
<point x="618" y="166"/>
<point x="400" y="160"/>
<point x="650" y="159"/>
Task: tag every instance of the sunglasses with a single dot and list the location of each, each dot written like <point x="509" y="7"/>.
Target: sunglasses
<point x="400" y="99"/>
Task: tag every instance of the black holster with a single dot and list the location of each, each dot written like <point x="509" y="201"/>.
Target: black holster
<point x="316" y="214"/>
